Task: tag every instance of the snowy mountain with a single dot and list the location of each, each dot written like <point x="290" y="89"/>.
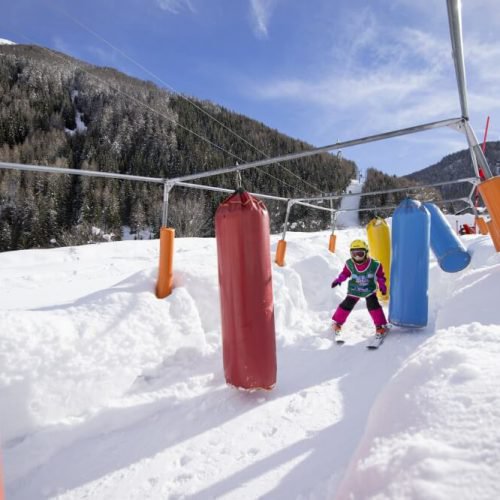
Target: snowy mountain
<point x="109" y="393"/>
<point x="95" y="118"/>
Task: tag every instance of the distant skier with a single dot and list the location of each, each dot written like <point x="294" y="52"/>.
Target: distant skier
<point x="365" y="274"/>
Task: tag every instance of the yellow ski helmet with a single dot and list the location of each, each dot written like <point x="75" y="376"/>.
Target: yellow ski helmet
<point x="359" y="245"/>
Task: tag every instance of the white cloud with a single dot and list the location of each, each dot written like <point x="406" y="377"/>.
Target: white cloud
<point x="411" y="86"/>
<point x="379" y="75"/>
<point x="261" y="11"/>
<point x="175" y="6"/>
<point x="391" y="76"/>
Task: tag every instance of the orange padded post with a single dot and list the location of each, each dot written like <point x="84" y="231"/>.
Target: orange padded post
<point x="280" y="253"/>
<point x="490" y="193"/>
<point x="165" y="281"/>
<point x="494" y="234"/>
<point x="332" y="243"/>
<point x="481" y="225"/>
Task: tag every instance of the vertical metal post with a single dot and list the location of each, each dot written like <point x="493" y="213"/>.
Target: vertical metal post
<point x="289" y="206"/>
<point x="167" y="186"/>
<point x="455" y="23"/>
<point x="476" y="152"/>
<point x="471" y="195"/>
<point x="333" y="217"/>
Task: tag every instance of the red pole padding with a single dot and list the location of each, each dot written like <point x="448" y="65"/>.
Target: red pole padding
<point x="246" y="292"/>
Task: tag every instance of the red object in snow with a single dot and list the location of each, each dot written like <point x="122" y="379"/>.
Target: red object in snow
<point x="466" y="229"/>
<point x="246" y="292"/>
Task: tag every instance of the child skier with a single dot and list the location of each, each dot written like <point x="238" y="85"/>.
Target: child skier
<point x="365" y="274"/>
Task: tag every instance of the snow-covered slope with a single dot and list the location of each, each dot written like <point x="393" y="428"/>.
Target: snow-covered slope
<point x="109" y="393"/>
<point x="350" y="218"/>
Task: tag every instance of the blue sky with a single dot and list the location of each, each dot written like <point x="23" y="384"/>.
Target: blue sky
<point x="317" y="70"/>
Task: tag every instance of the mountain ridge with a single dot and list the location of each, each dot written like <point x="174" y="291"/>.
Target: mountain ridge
<point x="133" y="127"/>
<point x="59" y="111"/>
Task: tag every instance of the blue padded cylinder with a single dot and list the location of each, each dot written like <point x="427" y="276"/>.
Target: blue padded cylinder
<point x="445" y="244"/>
<point x="410" y="265"/>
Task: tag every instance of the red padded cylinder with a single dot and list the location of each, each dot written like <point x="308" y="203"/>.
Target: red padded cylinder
<point x="246" y="292"/>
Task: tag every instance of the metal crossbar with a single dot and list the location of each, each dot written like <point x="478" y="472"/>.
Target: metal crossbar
<point x="323" y="149"/>
<point x="472" y="180"/>
<point x="73" y="171"/>
<point x="168" y="184"/>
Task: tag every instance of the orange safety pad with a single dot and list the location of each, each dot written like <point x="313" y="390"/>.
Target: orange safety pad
<point x="165" y="280"/>
<point x="280" y="253"/>
<point x="332" y="243"/>
<point x="490" y="193"/>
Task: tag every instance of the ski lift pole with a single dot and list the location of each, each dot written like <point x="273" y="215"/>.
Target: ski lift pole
<point x="281" y="248"/>
<point x="165" y="280"/>
<point x="455" y="24"/>
<point x="485" y="133"/>
<point x="167" y="187"/>
<point x="333" y="222"/>
<point x="479" y="160"/>
<point x="480" y="222"/>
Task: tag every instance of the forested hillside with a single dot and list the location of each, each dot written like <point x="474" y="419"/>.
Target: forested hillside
<point x="457" y="166"/>
<point x="58" y="111"/>
<point x="452" y="167"/>
<point x="378" y="181"/>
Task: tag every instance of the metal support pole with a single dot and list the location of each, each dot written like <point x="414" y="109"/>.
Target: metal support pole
<point x="167" y="186"/>
<point x="476" y="152"/>
<point x="471" y="194"/>
<point x="455" y="23"/>
<point x="289" y="206"/>
<point x="333" y="217"/>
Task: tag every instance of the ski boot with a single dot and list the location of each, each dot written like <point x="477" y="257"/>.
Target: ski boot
<point x="337" y="329"/>
<point x="380" y="331"/>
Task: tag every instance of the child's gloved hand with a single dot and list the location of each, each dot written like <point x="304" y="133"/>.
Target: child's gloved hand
<point x="383" y="290"/>
<point x="335" y="283"/>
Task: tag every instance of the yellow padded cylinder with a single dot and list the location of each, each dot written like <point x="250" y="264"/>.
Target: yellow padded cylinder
<point x="379" y="241"/>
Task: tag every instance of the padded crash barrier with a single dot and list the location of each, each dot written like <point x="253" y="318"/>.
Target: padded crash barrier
<point x="494" y="234"/>
<point x="165" y="280"/>
<point x="409" y="282"/>
<point x="445" y="244"/>
<point x="490" y="193"/>
<point x="246" y="293"/>
<point x="379" y="241"/>
<point x="481" y="225"/>
<point x="280" y="253"/>
<point x="332" y="243"/>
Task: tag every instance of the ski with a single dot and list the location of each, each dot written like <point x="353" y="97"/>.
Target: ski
<point x="376" y="341"/>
